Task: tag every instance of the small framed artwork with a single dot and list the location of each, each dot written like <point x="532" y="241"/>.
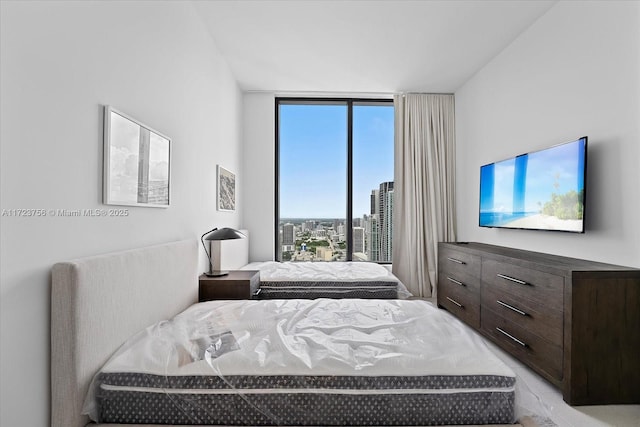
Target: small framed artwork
<point x="226" y="190"/>
<point x="137" y="162"/>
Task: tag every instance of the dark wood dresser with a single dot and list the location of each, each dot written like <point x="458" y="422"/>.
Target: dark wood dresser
<point x="575" y="322"/>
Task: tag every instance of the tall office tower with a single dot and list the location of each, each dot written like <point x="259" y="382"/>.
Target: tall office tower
<point x="358" y="239"/>
<point x="372" y="241"/>
<point x="373" y="232"/>
<point x="364" y="223"/>
<point x="385" y="227"/>
<point x="288" y="237"/>
<point x="374" y="201"/>
<point x="357" y="222"/>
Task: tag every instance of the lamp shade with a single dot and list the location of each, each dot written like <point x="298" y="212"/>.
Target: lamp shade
<point x="225" y="233"/>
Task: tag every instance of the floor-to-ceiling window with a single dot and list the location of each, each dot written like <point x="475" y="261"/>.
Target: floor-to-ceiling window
<point x="334" y="179"/>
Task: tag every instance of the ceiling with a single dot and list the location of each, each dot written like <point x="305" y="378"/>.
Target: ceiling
<point x="378" y="46"/>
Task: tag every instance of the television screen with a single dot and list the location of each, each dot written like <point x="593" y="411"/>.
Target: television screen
<point x="541" y="190"/>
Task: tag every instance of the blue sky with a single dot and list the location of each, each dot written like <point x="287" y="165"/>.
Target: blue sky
<point x="554" y="170"/>
<point x="313" y="158"/>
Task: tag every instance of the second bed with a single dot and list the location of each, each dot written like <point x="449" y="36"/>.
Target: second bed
<point x="311" y="280"/>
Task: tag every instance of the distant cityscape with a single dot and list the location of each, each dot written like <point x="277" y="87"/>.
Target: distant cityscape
<point x="324" y="239"/>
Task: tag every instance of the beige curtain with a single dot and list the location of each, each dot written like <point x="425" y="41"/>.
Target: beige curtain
<point x="424" y="187"/>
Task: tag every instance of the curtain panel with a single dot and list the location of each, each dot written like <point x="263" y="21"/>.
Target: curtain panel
<point x="424" y="187"/>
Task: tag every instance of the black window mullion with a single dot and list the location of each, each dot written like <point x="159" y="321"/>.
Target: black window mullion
<point x="349" y="219"/>
<point x="278" y="247"/>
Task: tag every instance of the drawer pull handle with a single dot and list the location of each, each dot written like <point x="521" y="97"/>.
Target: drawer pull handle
<point x="457" y="282"/>
<point x="510" y="307"/>
<point x="457" y="261"/>
<point x="455" y="302"/>
<point x="512" y="279"/>
<point x="512" y="337"/>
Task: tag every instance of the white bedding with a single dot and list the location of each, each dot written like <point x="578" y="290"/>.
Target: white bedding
<point x="321" y="271"/>
<point x="323" y="277"/>
<point x="325" y="338"/>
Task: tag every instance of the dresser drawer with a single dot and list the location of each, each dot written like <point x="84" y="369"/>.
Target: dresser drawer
<point x="459" y="268"/>
<point x="523" y="344"/>
<point x="461" y="301"/>
<point x="541" y="288"/>
<point x="461" y="279"/>
<point x="537" y="318"/>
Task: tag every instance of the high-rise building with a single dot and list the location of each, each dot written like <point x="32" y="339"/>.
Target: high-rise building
<point x="288" y="234"/>
<point x="385" y="227"/>
<point x="372" y="229"/>
<point x="379" y="226"/>
<point x="374" y="202"/>
<point x="358" y="239"/>
<point x="288" y="237"/>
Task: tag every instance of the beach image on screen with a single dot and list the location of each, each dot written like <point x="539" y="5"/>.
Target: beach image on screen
<point x="543" y="190"/>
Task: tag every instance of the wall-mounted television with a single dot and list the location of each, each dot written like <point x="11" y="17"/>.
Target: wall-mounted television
<point x="540" y="190"/>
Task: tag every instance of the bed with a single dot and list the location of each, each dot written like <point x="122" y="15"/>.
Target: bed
<point x="327" y="280"/>
<point x="101" y="302"/>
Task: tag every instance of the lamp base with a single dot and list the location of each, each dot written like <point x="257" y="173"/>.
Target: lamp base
<point x="216" y="273"/>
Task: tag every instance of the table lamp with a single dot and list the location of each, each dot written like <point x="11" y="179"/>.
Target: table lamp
<point x="218" y="234"/>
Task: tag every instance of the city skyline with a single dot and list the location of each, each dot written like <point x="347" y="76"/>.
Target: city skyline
<point x="326" y="239"/>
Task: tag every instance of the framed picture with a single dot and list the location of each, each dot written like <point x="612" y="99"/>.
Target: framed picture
<point x="226" y="190"/>
<point x="137" y="162"/>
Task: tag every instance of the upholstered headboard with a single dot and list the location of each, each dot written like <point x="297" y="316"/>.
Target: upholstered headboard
<point x="99" y="302"/>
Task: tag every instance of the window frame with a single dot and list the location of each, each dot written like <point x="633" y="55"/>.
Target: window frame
<point x="349" y="103"/>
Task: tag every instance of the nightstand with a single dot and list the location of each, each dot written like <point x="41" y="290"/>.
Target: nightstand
<point x="238" y="284"/>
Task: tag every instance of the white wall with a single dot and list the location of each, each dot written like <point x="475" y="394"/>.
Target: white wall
<point x="259" y="169"/>
<point x="574" y="72"/>
<point x="60" y="62"/>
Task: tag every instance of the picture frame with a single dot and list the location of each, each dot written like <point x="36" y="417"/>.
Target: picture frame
<point x="226" y="190"/>
<point x="137" y="162"/>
